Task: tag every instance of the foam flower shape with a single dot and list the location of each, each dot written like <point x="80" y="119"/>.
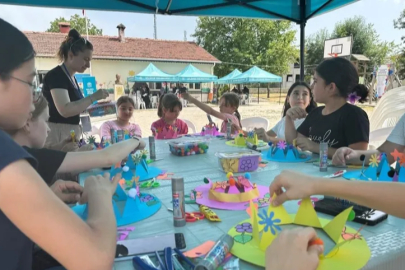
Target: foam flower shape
<point x="147" y="198"/>
<point x="245" y="182"/>
<point x="222" y="185"/>
<point x="353" y="98"/>
<point x="269" y="222"/>
<point x="244" y="227"/>
<point x="374" y="161"/>
<point x="281" y="145"/>
<point x="251" y="134"/>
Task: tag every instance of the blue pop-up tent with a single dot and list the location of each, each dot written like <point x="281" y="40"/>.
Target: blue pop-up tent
<point x="191" y="74"/>
<point x="256" y="75"/>
<point x="298" y="11"/>
<point x="152" y="74"/>
<point x="226" y="79"/>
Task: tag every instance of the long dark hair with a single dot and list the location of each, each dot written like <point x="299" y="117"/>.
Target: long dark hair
<point x="15" y="49"/>
<point x="312" y="104"/>
<point x="344" y="75"/>
<point x="168" y="101"/>
<point x="75" y="43"/>
<point x="232" y="99"/>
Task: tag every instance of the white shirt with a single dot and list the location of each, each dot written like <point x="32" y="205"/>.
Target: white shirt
<point x="279" y="128"/>
<point x="398" y="133"/>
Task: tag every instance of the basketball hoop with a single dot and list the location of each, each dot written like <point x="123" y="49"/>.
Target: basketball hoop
<point x="333" y="54"/>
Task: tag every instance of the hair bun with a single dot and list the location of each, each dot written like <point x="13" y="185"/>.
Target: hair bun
<point x="74" y="34"/>
<point x="362" y="91"/>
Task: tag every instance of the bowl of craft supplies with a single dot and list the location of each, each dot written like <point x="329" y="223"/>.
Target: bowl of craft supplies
<point x="185" y="148"/>
<point x="238" y="162"/>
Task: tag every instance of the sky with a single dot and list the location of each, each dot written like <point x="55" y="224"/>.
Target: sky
<point x="379" y="12"/>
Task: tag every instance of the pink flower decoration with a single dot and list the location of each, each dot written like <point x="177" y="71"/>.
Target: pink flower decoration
<point x="281" y="145"/>
<point x="313" y="200"/>
<point x="353" y="98"/>
<point x="245" y="182"/>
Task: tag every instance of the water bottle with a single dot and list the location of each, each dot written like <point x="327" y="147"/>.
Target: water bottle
<point x="179" y="210"/>
<point x="120" y="135"/>
<point x="323" y="157"/>
<point x="152" y="151"/>
<point x="229" y="130"/>
<point x="216" y="255"/>
<point x="112" y="134"/>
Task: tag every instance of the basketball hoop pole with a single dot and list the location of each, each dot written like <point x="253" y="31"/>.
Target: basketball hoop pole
<point x="302" y="39"/>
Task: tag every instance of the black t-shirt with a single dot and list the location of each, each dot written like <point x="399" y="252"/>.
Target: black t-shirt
<point x="49" y="162"/>
<point x="346" y="126"/>
<point x="57" y="78"/>
<point x="15" y="247"/>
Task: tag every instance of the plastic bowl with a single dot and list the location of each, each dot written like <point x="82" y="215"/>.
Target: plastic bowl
<point x="238" y="162"/>
<point x="188" y="148"/>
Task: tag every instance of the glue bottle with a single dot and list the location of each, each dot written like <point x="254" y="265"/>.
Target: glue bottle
<point x="229" y="130"/>
<point x="179" y="210"/>
<point x="152" y="151"/>
<point x="217" y="254"/>
<point x="323" y="157"/>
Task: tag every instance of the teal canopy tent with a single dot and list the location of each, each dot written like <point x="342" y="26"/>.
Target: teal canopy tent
<point x="225" y="80"/>
<point x="256" y="75"/>
<point x="152" y="74"/>
<point x="298" y="11"/>
<point x="192" y="74"/>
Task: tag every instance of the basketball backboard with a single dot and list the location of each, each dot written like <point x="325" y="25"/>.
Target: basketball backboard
<point x="337" y="47"/>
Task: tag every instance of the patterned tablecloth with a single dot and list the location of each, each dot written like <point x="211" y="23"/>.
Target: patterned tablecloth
<point x="386" y="240"/>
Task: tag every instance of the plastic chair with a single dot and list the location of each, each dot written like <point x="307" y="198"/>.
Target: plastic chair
<point x="190" y="125"/>
<point x="379" y="136"/>
<point x="154" y="101"/>
<point x="255" y="122"/>
<point x="140" y="103"/>
<point x="389" y="109"/>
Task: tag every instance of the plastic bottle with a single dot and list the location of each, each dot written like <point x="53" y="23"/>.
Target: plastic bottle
<point x="323" y="157"/>
<point x="179" y="211"/>
<point x="229" y="130"/>
<point x="216" y="255"/>
<point x="120" y="135"/>
<point x="112" y="134"/>
<point x="152" y="151"/>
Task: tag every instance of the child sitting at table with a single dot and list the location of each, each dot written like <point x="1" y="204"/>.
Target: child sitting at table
<point x="338" y="123"/>
<point x="169" y="126"/>
<point x="228" y="110"/>
<point x="299" y="95"/>
<point x="126" y="107"/>
<point x="395" y="143"/>
<point x="50" y="162"/>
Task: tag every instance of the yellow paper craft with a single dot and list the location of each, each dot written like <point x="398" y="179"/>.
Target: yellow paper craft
<point x="254" y="235"/>
<point x="306" y="215"/>
<point x="334" y="228"/>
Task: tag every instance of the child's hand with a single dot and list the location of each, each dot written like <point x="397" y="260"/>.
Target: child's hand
<point x="186" y="96"/>
<point x="296" y="113"/>
<point x="306" y="144"/>
<point x="262" y="134"/>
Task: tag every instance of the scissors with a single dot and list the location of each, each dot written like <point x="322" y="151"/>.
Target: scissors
<point x="194" y="216"/>
<point x="150" y="184"/>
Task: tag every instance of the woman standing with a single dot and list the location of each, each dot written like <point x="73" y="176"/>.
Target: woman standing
<point x="145" y="96"/>
<point x="62" y="91"/>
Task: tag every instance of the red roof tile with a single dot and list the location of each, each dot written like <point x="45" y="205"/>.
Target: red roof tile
<point x="107" y="47"/>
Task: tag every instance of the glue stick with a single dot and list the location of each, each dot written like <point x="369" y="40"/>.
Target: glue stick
<point x="179" y="210"/>
<point x="216" y="256"/>
<point x="73" y="135"/>
<point x="323" y="157"/>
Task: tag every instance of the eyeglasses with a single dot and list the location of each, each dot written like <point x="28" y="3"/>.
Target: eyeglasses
<point x="74" y="42"/>
<point x="36" y="94"/>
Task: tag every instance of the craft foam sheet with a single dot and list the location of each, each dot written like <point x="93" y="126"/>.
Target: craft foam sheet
<point x="347" y="249"/>
<point x="141" y="170"/>
<point x="263" y="199"/>
<point x="127" y="210"/>
<point x="285" y="155"/>
<point x="261" y="144"/>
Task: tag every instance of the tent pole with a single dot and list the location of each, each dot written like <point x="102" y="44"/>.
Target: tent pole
<point x="258" y="93"/>
<point x="279" y="96"/>
<point x="302" y="38"/>
<point x="201" y="92"/>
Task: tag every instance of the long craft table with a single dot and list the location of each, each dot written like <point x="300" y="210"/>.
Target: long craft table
<point x="386" y="240"/>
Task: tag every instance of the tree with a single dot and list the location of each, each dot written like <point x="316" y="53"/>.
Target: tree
<point x="400" y="23"/>
<point x="366" y="41"/>
<point x="400" y="57"/>
<point x="77" y="22"/>
<point x="242" y="43"/>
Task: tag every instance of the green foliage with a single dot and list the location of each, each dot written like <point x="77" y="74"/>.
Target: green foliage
<point x="248" y="42"/>
<point x="224" y="88"/>
<point x="400" y="56"/>
<point x="77" y="22"/>
<point x="366" y="41"/>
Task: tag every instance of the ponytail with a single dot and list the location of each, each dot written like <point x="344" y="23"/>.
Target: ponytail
<point x="361" y="91"/>
<point x="237" y="114"/>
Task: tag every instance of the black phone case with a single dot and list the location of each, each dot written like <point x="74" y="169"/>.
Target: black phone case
<point x="180" y="241"/>
<point x="334" y="208"/>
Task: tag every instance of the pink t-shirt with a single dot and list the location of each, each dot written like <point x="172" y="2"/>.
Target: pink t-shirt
<point x="105" y="128"/>
<point x="234" y="120"/>
<point x="161" y="130"/>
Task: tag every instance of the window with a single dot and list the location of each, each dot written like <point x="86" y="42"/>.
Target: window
<point x="158" y="85"/>
<point x="151" y="85"/>
<point x="197" y="86"/>
<point x="290" y="78"/>
<point x="297" y="77"/>
<point x="191" y="86"/>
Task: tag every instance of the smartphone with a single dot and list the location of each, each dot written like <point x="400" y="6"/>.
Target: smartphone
<point x="126" y="249"/>
<point x="364" y="215"/>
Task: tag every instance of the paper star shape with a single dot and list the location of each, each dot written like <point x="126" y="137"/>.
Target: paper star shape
<point x="397" y="155"/>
